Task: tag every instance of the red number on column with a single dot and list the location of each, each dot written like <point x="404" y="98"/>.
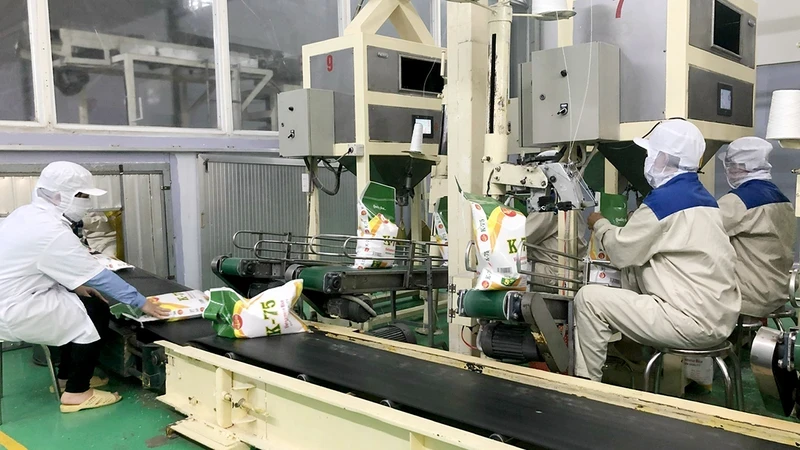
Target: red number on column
<point x="329" y="63"/>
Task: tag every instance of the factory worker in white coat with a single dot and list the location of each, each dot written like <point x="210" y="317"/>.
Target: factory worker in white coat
<point x="676" y="248"/>
<point x="761" y="224"/>
<point x="52" y="286"/>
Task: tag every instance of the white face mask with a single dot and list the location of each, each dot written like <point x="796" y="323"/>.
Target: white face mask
<point x="78" y="209"/>
<point x="648" y="171"/>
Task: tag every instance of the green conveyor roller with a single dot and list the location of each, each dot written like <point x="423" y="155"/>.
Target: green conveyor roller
<point x="314" y="277"/>
<point x="230" y="266"/>
<point x="485" y="304"/>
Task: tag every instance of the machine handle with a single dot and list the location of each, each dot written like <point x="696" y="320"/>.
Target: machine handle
<point x="468" y="259"/>
<point x="793" y="287"/>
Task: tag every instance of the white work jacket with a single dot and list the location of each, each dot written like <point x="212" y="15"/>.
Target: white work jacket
<point x="675" y="246"/>
<point x="760" y="221"/>
<point x="42" y="262"/>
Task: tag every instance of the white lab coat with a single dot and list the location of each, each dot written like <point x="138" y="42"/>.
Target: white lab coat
<point x="42" y="261"/>
<point x="683" y="264"/>
<point x="763" y="237"/>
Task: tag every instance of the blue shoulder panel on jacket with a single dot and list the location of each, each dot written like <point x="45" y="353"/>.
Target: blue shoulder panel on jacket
<point x="755" y="193"/>
<point x="682" y="192"/>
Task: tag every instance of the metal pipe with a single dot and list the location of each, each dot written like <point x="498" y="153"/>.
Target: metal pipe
<point x="393" y="302"/>
<point x="431" y="303"/>
<point x="496" y="140"/>
<point x="552" y="277"/>
<point x="550" y="264"/>
<point x="553" y="252"/>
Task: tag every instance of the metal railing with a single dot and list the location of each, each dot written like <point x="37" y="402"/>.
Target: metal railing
<point x="327" y="249"/>
<point x="574" y="276"/>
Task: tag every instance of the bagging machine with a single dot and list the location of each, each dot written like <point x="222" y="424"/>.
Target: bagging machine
<point x="335" y="388"/>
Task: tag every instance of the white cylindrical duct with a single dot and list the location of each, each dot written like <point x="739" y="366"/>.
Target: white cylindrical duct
<point x="551" y="9"/>
<point x="784" y="115"/>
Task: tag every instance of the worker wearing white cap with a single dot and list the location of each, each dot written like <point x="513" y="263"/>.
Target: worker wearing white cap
<point x="675" y="247"/>
<point x="52" y="285"/>
<point x="761" y="224"/>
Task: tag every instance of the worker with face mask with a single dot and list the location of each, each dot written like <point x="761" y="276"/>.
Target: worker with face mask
<point x="52" y="288"/>
<point x="676" y="248"/>
<point x="761" y="224"/>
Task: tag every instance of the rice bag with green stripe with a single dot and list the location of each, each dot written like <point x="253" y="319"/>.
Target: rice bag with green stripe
<point x="268" y="313"/>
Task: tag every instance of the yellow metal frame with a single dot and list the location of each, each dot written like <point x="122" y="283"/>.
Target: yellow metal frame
<point x="414" y="39"/>
<point x="681" y="55"/>
<point x="230" y="403"/>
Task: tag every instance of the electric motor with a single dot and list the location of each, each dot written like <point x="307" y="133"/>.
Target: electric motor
<point x="508" y="342"/>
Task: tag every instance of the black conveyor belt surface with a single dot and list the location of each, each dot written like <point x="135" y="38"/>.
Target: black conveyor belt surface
<point x="545" y="418"/>
<point x="149" y="284"/>
<point x="180" y="332"/>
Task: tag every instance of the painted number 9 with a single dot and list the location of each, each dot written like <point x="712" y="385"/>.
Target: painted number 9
<point x="329" y="63"/>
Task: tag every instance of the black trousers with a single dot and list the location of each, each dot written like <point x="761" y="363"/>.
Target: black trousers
<point x="79" y="360"/>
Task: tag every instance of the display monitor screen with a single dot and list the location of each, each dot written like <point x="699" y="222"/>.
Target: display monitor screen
<point x="727" y="27"/>
<point x="421" y="75"/>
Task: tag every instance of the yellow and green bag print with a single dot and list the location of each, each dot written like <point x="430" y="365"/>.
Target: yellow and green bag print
<point x="268" y="313"/>
<point x="499" y="235"/>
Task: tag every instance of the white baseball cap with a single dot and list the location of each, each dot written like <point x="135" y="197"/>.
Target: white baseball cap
<point x="68" y="178"/>
<point x="678" y="138"/>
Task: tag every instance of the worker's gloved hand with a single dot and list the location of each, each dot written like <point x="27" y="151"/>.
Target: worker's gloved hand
<point x="86" y="291"/>
<point x="151" y="308"/>
<point x="593" y="218"/>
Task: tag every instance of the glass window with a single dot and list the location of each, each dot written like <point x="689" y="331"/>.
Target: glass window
<point x="16" y="89"/>
<point x="266" y="39"/>
<point x="142" y="62"/>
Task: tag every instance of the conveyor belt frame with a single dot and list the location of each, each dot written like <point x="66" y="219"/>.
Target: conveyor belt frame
<point x="227" y="400"/>
<point x="761" y="427"/>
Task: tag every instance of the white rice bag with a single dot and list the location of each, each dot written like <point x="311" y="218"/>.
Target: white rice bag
<point x="376" y="228"/>
<point x="699" y="370"/>
<point x="112" y="264"/>
<point x="181" y="306"/>
<point x="499" y="234"/>
<point x="268" y="313"/>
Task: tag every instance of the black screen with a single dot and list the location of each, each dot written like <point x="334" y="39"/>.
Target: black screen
<point x="727" y="27"/>
<point x="421" y="75"/>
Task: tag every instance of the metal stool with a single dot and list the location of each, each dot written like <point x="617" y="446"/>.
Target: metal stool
<point x="783" y="312"/>
<point x="53" y="378"/>
<point x="733" y="385"/>
<point x="746" y="324"/>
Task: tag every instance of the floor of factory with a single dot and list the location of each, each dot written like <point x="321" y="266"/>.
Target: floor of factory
<point x="31" y="419"/>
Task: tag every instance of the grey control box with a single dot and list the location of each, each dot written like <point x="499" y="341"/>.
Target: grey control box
<point x="306" y="123"/>
<point x="570" y="94"/>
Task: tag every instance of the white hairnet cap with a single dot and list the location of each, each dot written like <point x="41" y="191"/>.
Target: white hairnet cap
<point x="68" y="178"/>
<point x="751" y="151"/>
<point x="678" y="138"/>
<point x="747" y="159"/>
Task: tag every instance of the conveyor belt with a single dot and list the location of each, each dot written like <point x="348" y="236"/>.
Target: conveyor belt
<point x="180" y="332"/>
<point x="544" y="418"/>
<point x="348" y="280"/>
